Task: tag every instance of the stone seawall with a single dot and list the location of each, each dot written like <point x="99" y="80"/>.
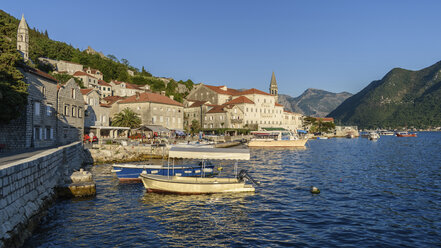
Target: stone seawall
<point x="27" y="189"/>
<point x="116" y="153"/>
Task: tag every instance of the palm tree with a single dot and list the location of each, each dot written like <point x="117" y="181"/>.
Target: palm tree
<point x="126" y="118"/>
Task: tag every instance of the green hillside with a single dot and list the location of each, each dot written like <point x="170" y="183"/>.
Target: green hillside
<point x="402" y="98"/>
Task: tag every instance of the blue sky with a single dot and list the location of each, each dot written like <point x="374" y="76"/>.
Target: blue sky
<point x="330" y="45"/>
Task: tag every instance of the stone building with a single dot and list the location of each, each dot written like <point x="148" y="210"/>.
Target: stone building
<point x="37" y="125"/>
<point x="111" y="103"/>
<point x="224" y="116"/>
<point x="292" y="121"/>
<point x="217" y="95"/>
<point x="273" y="89"/>
<point x="70" y="113"/>
<point x="61" y="66"/>
<point x="23" y="38"/>
<point x="88" y="80"/>
<point x="94" y="73"/>
<point x="195" y="111"/>
<point x="105" y="88"/>
<point x="95" y="114"/>
<point x="124" y="89"/>
<point x="155" y="109"/>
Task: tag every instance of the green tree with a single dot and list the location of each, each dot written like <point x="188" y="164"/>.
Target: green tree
<point x="195" y="127"/>
<point x="126" y="118"/>
<point x="13" y="90"/>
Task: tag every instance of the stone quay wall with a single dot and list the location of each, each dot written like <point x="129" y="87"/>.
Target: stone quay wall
<point x="100" y="154"/>
<point x="27" y="190"/>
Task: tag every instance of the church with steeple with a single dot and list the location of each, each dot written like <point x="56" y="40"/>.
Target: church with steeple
<point x="273" y="87"/>
<point x="23" y="38"/>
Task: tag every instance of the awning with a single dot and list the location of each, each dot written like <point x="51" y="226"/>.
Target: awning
<point x="153" y="128"/>
<point x="209" y="153"/>
<point x="110" y="127"/>
<point x="179" y="132"/>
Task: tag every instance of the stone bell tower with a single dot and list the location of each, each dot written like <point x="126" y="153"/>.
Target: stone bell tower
<point x="23" y="38"/>
<point x="273" y="87"/>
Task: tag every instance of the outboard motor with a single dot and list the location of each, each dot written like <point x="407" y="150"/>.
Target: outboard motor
<point x="244" y="174"/>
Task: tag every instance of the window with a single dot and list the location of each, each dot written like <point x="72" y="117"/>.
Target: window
<point x="179" y="120"/>
<point x="173" y="120"/>
<point x="40" y="135"/>
<point x="74" y="111"/>
<point x="72" y="93"/>
<point x="47" y="133"/>
<point x="51" y="132"/>
<point x="49" y="109"/>
<point x="80" y="112"/>
<point x="36" y="108"/>
<point x="66" y="110"/>
<point x="43" y="90"/>
<point x="161" y="119"/>
<point x="153" y="119"/>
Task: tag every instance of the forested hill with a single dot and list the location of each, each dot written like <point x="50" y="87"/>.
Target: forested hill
<point x="402" y="98"/>
<point x="40" y="45"/>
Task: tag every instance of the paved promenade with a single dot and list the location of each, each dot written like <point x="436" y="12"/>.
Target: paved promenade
<point x="9" y="157"/>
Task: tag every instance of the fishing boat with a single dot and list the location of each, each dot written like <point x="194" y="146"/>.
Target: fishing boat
<point x="131" y="172"/>
<point x="373" y="136"/>
<point x="276" y="139"/>
<point x="406" y="134"/>
<point x="201" y="185"/>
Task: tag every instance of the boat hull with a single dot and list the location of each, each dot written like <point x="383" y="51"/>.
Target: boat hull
<point x="193" y="185"/>
<point x="277" y="143"/>
<point x="406" y="135"/>
<point x="131" y="174"/>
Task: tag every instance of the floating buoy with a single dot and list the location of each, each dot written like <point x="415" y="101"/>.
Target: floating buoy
<point x="315" y="190"/>
<point x="219" y="168"/>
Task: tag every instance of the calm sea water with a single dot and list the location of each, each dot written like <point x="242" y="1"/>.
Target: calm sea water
<point x="373" y="194"/>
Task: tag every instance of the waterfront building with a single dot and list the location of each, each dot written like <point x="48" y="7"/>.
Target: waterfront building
<point x="213" y="107"/>
<point x="155" y="109"/>
<point x="36" y="126"/>
<point x="70" y="113"/>
<point x="96" y="114"/>
<point x="111" y="103"/>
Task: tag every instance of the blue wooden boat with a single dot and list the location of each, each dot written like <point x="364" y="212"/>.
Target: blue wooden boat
<point x="131" y="172"/>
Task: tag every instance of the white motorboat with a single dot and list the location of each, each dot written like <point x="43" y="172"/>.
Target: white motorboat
<point x="201" y="185"/>
<point x="276" y="139"/>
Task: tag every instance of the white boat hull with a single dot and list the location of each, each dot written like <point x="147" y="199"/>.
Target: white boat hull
<point x="194" y="185"/>
<point x="277" y="143"/>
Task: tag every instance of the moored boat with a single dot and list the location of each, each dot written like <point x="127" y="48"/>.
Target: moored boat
<point x="406" y="134"/>
<point x="201" y="185"/>
<point x="276" y="139"/>
<point x="373" y="136"/>
<point x="131" y="172"/>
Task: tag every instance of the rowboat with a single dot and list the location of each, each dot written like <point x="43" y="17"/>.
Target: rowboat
<point x="202" y="185"/>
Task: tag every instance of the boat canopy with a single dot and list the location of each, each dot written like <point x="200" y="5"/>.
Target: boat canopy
<point x="209" y="153"/>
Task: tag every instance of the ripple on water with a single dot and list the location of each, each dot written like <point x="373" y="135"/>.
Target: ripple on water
<point x="383" y="193"/>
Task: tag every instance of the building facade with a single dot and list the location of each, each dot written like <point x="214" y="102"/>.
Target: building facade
<point x="88" y="80"/>
<point x="23" y="38"/>
<point x="95" y="113"/>
<point x="155" y="109"/>
<point x="70" y="113"/>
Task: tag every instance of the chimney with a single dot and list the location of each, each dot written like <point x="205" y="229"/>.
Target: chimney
<point x="137" y="95"/>
<point x="163" y="93"/>
<point x="172" y="97"/>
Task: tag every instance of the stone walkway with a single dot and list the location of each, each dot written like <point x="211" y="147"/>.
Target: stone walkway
<point x="9" y="157"/>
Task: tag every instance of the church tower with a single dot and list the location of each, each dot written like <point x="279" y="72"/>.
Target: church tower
<point x="273" y="87"/>
<point x="23" y="38"/>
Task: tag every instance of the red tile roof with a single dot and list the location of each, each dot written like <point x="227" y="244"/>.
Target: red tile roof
<point x="278" y="105"/>
<point x="218" y="90"/>
<point x="150" y="97"/>
<point x="112" y="99"/>
<point x="253" y="91"/>
<point x="217" y="109"/>
<point x="239" y="100"/>
<point x="128" y="85"/>
<point x="80" y="73"/>
<point x="102" y="82"/>
<point x="93" y="71"/>
<point x="85" y="91"/>
<point x="325" y="119"/>
<point x="197" y="104"/>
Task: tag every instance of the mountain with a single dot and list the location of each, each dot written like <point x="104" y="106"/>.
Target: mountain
<point x="402" y="98"/>
<point x="313" y="102"/>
